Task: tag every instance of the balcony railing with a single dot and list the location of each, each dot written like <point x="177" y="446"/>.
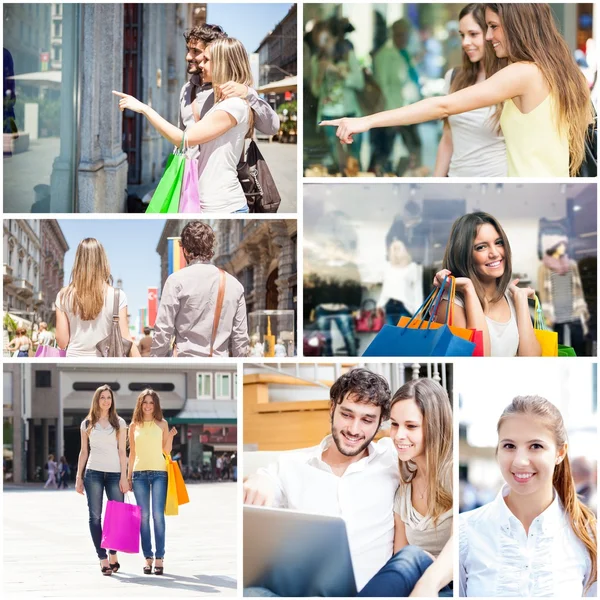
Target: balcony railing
<point x="7" y="273"/>
<point x="23" y="287"/>
<point x="38" y="297"/>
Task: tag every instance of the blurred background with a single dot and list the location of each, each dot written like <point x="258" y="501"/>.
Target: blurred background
<point x="360" y="42"/>
<point x="571" y="386"/>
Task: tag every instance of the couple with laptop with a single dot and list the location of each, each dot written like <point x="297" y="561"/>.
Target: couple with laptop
<point x="391" y="500"/>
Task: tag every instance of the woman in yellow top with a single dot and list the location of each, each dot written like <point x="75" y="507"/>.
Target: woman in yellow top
<point x="149" y="439"/>
<point x="547" y="107"/>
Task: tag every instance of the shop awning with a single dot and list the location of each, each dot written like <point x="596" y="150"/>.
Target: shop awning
<point x="208" y="412"/>
<point x="289" y="84"/>
<point x="42" y="78"/>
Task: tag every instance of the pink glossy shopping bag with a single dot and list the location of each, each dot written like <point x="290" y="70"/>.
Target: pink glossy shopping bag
<point x="121" y="528"/>
<point x="50" y="352"/>
<point x="189" y="201"/>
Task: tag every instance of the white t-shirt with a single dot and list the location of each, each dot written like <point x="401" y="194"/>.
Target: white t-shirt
<point x="84" y="335"/>
<point x="104" y="452"/>
<point x="363" y="496"/>
<point x="477" y="149"/>
<point x="498" y="559"/>
<point x="45" y="338"/>
<point x="218" y="185"/>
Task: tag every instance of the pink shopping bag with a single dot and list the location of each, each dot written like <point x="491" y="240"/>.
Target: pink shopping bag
<point x="50" y="352"/>
<point x="189" y="201"/>
<point x="121" y="528"/>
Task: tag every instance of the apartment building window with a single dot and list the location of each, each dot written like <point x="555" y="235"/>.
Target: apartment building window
<point x="223" y="385"/>
<point x="203" y="385"/>
<point x="43" y="379"/>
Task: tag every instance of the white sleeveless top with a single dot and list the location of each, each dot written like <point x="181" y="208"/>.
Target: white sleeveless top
<point x="104" y="450"/>
<point x="477" y="149"/>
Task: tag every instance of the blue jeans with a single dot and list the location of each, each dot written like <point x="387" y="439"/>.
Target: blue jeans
<point x="399" y="575"/>
<point x="146" y="485"/>
<point x="343" y="319"/>
<point x="95" y="483"/>
<point x="242" y="210"/>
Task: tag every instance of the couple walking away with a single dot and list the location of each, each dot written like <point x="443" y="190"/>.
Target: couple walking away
<point x="218" y="111"/>
<point x="103" y="467"/>
<point x="202" y="310"/>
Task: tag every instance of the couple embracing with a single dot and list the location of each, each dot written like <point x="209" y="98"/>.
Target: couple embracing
<point x="218" y="111"/>
<point x="399" y="508"/>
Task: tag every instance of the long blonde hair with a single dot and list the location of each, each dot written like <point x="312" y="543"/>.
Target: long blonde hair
<point x="90" y="274"/>
<point x="230" y="62"/>
<point x="95" y="411"/>
<point x="532" y="36"/>
<point x="583" y="520"/>
<point x="432" y="400"/>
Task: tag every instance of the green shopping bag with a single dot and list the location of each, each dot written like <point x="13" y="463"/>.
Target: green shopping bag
<point x="166" y="196"/>
<point x="566" y="351"/>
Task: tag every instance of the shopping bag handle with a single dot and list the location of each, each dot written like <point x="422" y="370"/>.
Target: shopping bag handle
<point x="449" y="319"/>
<point x="434" y="297"/>
<point x="127" y="498"/>
<point x="539" y="322"/>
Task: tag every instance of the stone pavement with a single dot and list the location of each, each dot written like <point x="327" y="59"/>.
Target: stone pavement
<point x="282" y="160"/>
<point x="48" y="551"/>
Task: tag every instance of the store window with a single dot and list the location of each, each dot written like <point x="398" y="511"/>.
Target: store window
<point x="203" y="385"/>
<point x="381" y="256"/>
<point x="7" y="390"/>
<point x="223" y="385"/>
<point x="40" y="107"/>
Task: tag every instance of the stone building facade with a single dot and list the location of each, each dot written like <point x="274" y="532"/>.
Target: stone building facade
<point x="54" y="248"/>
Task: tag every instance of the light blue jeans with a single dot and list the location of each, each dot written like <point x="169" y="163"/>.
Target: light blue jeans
<point x="146" y="485"/>
<point x="242" y="210"/>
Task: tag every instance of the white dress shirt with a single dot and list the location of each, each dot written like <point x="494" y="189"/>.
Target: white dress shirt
<point x="363" y="496"/>
<point x="498" y="559"/>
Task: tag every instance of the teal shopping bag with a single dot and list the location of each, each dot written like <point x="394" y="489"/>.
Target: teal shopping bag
<point x="166" y="196"/>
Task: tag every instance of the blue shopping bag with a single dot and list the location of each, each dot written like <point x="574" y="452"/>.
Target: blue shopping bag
<point x="424" y="341"/>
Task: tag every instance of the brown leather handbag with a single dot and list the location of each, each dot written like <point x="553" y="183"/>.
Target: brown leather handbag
<point x="114" y="344"/>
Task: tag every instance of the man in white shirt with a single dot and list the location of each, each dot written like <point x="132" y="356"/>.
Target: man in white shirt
<point x="347" y="475"/>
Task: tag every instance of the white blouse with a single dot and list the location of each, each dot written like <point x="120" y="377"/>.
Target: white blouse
<point x="498" y="559"/>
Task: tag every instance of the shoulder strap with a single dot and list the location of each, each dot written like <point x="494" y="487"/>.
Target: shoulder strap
<point x="220" y="298"/>
<point x="116" y="306"/>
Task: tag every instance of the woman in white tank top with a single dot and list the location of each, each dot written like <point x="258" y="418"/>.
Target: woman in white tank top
<point x="472" y="144"/>
<point x="478" y="256"/>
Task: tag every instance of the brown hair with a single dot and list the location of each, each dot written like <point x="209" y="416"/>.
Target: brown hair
<point x="138" y="415"/>
<point x="532" y="36"/>
<point x="434" y="404"/>
<point x="84" y="295"/>
<point x="205" y="34"/>
<point x="95" y="411"/>
<point x="583" y="520"/>
<point x="198" y="241"/>
<point x="458" y="258"/>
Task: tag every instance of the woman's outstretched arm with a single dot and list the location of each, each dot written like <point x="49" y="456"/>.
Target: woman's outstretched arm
<point x="510" y="82"/>
<point x="437" y="575"/>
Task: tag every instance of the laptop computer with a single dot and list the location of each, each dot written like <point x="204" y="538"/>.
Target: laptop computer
<point x="297" y="554"/>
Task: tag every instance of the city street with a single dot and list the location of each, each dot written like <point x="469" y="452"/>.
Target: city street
<point x="283" y="163"/>
<point x="48" y="551"/>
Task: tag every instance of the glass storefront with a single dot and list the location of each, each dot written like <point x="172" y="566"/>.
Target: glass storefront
<point x="357" y="236"/>
<point x="41" y="48"/>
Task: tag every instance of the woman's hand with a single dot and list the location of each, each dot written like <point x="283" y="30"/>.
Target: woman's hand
<point x="462" y="284"/>
<point x="79" y="485"/>
<point x="129" y="102"/>
<point x="232" y="89"/>
<point x="346" y="127"/>
<point x="172" y="432"/>
<point x="124" y="485"/>
<point x="520" y="294"/>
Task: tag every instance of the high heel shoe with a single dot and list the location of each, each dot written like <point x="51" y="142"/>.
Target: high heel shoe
<point x="106" y="571"/>
<point x="158" y="570"/>
<point x="115" y="566"/>
<point x="148" y="567"/>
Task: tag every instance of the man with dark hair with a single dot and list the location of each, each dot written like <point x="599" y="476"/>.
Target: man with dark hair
<point x="347" y="475"/>
<point x="197" y="95"/>
<point x="201" y="306"/>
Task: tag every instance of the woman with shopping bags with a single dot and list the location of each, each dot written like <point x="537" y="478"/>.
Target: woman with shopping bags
<point x="478" y="255"/>
<point x="102" y="466"/>
<point x="149" y="440"/>
<point x="87" y="307"/>
<point x="220" y="133"/>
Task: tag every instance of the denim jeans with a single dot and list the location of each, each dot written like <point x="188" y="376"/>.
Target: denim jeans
<point x="242" y="210"/>
<point x="146" y="485"/>
<point x="95" y="483"/>
<point x="343" y="319"/>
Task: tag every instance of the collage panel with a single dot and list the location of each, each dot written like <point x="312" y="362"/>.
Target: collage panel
<point x="85" y="479"/>
<point x="382" y="260"/>
<point x="160" y="288"/>
<point x="528" y="452"/>
<point x="347" y="479"/>
<point x="150" y="108"/>
<point x="450" y="90"/>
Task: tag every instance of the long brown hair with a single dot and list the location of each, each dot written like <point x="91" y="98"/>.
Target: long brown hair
<point x="84" y="295"/>
<point x="583" y="520"/>
<point x="458" y="258"/>
<point x="138" y="415"/>
<point x="230" y="62"/>
<point x="532" y="36"/>
<point x="433" y="402"/>
<point x="95" y="411"/>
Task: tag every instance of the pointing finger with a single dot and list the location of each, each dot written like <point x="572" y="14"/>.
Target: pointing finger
<point x="333" y="123"/>
<point x="121" y="94"/>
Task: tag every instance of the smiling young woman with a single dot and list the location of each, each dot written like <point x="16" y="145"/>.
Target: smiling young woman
<point x="478" y="256"/>
<point x="536" y="538"/>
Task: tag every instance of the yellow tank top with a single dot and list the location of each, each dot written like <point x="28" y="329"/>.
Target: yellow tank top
<point x="148" y="448"/>
<point x="534" y="146"/>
